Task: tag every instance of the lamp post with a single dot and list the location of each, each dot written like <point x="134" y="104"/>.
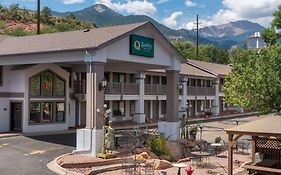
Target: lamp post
<point x="105" y="112"/>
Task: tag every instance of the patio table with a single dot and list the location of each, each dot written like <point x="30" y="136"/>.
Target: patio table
<point x="200" y="154"/>
<point x="179" y="166"/>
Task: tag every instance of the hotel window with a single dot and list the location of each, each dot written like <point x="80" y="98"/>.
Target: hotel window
<point x="200" y="83"/>
<point x="47" y="98"/>
<point x="147" y="79"/>
<point x="132" y="78"/>
<point x="119" y="77"/>
<point x="208" y="83"/>
<point x="118" y="108"/>
<point x="156" y="79"/>
<point x="132" y="108"/>
<point x="163" y="80"/>
<point x="192" y="82"/>
<point x="163" y="107"/>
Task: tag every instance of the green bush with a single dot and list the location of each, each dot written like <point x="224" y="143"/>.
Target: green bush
<point x="16" y="32"/>
<point x="157" y="145"/>
<point x="2" y="25"/>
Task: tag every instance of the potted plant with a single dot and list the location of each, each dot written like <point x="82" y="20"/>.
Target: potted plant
<point x="193" y="132"/>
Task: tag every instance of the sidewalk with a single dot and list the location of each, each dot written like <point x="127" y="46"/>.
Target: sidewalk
<point x="9" y="134"/>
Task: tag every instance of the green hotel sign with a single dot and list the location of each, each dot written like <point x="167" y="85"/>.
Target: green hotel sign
<point x="142" y="46"/>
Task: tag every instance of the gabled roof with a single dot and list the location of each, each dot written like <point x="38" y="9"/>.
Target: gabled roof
<point x="75" y="40"/>
<point x="266" y="126"/>
<point x="216" y="69"/>
<point x="64" y="41"/>
<point x="189" y="70"/>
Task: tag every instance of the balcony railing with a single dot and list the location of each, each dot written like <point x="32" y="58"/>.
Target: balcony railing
<point x="154" y="89"/>
<point x="122" y="88"/>
<point x="204" y="91"/>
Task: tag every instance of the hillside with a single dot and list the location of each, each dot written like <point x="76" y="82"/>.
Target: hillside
<point x="225" y="35"/>
<point x="20" y="22"/>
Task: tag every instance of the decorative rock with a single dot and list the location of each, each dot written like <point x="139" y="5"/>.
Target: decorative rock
<point x="162" y="164"/>
<point x="175" y="149"/>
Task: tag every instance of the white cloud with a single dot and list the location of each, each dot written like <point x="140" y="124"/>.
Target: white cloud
<point x="72" y="1"/>
<point x="171" y="21"/>
<point x="189" y="3"/>
<point x="137" y="7"/>
<point x="162" y="1"/>
<point x="259" y="11"/>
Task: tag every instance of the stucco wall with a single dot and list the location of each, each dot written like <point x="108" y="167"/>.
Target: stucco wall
<point x="13" y="82"/>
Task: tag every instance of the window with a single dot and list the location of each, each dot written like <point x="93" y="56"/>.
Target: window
<point x="42" y="85"/>
<point x="147" y="79"/>
<point x="132" y="78"/>
<point x="163" y="80"/>
<point x="35" y="112"/>
<point x="192" y="82"/>
<point x="155" y="79"/>
<point x="59" y="86"/>
<point x="132" y="108"/>
<point x="119" y="77"/>
<point x="47" y="84"/>
<point x="47" y="112"/>
<point x="163" y="107"/>
<point x="35" y="89"/>
<point x="47" y="98"/>
<point x="118" y="108"/>
<point x="60" y="111"/>
<point x="208" y="83"/>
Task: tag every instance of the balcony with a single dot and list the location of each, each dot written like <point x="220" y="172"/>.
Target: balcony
<point x="111" y="88"/>
<point x="154" y="89"/>
<point x="203" y="91"/>
<point x="122" y="88"/>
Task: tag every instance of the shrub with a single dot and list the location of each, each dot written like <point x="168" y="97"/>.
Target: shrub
<point x="157" y="145"/>
<point x="2" y="25"/>
<point x="16" y="32"/>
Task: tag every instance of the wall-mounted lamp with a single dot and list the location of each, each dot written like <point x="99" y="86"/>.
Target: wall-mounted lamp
<point x="102" y="84"/>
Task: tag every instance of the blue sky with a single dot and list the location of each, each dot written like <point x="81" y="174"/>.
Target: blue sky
<point x="173" y="13"/>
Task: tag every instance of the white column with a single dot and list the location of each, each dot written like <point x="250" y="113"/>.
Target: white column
<point x="151" y="109"/>
<point x="183" y="102"/>
<point x="139" y="116"/>
<point x="216" y="105"/>
<point x="159" y="109"/>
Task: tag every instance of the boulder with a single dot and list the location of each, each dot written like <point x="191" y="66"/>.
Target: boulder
<point x="162" y="164"/>
<point x="175" y="149"/>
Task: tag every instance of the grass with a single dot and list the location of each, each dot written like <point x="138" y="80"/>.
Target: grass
<point x="2" y="25"/>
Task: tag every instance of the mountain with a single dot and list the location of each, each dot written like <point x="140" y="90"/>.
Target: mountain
<point x="225" y="35"/>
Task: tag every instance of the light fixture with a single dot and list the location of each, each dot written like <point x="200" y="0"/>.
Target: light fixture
<point x="180" y="86"/>
<point x="102" y="84"/>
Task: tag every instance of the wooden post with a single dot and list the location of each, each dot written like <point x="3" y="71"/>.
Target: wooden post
<point x="254" y="149"/>
<point x="230" y="154"/>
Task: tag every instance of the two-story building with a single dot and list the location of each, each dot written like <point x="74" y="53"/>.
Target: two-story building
<point x="54" y="81"/>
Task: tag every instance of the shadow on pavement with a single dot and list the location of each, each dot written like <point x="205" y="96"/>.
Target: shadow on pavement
<point x="68" y="139"/>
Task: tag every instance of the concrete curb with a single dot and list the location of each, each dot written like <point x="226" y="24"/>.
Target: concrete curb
<point x="53" y="166"/>
<point x="9" y="135"/>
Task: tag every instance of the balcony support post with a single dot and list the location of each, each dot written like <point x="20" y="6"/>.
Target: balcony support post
<point x="183" y="102"/>
<point x="171" y="126"/>
<point x="216" y="106"/>
<point x="139" y="115"/>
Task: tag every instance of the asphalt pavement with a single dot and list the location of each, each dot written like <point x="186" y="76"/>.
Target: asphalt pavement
<point x="23" y="155"/>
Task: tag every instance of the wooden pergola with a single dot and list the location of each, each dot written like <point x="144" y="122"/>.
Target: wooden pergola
<point x="266" y="138"/>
